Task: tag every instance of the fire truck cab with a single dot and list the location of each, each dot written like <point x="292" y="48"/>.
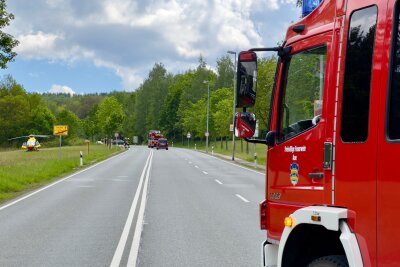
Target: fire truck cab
<point x="334" y="136"/>
<point x="152" y="139"/>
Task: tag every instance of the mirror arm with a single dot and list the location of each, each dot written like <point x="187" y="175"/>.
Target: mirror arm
<point x="282" y="51"/>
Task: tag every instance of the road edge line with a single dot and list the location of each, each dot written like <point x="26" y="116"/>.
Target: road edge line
<point x="55" y="183"/>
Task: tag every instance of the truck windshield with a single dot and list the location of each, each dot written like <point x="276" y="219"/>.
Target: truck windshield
<point x="301" y="105"/>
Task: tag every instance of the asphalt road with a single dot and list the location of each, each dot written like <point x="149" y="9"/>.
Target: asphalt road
<point x="143" y="207"/>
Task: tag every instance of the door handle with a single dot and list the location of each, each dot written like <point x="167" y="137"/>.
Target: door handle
<point x="316" y="175"/>
<point x="328" y="155"/>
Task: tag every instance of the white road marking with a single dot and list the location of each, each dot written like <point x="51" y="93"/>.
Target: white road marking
<point x="190" y="162"/>
<point x="196" y="167"/>
<point x="122" y="241"/>
<point x="122" y="176"/>
<point x="133" y="254"/>
<point x="218" y="181"/>
<point x="53" y="184"/>
<point x="242" y="198"/>
<point x="205" y="172"/>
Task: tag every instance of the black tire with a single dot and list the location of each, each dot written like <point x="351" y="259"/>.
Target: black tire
<point x="157" y="148"/>
<point x="330" y="261"/>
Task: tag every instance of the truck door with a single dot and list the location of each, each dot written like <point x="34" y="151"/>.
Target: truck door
<point x="388" y="185"/>
<point x="295" y="164"/>
<point x="355" y="160"/>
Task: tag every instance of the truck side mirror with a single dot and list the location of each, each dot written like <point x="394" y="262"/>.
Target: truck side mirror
<point x="245" y="124"/>
<point x="246" y="79"/>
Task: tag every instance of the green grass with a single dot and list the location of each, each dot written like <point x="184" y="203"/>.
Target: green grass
<point x="22" y="171"/>
<point x="246" y="154"/>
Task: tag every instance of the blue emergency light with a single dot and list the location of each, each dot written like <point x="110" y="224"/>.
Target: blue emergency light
<point x="309" y="6"/>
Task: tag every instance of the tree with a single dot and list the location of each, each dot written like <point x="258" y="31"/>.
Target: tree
<point x="41" y="120"/>
<point x="194" y="118"/>
<point x="150" y="98"/>
<point x="90" y="124"/>
<point x="195" y="89"/>
<point x="225" y="68"/>
<point x="169" y="121"/>
<point x="221" y="106"/>
<point x="7" y="42"/>
<point x="15" y="108"/>
<point x="129" y="110"/>
<point x="67" y="117"/>
<point x="110" y="116"/>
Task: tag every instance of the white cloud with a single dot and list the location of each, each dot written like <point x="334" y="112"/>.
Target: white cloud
<point x="37" y="45"/>
<point x="61" y="89"/>
<point x="129" y="36"/>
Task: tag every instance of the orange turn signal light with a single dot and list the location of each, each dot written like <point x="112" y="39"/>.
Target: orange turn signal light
<point x="316" y="218"/>
<point x="289" y="222"/>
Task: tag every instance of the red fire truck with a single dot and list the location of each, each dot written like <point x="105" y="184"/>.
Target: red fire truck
<point x="334" y="136"/>
<point x="153" y="137"/>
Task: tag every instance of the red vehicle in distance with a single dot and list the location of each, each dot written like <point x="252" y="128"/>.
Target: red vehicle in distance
<point x="153" y="137"/>
<point x="162" y="144"/>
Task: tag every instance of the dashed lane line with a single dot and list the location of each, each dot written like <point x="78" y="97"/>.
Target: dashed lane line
<point x="218" y="181"/>
<point x="242" y="198"/>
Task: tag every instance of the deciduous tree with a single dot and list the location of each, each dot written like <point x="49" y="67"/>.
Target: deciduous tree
<point x="7" y="42"/>
<point x="110" y="116"/>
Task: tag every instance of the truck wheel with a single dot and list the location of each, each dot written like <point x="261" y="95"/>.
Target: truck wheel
<point x="330" y="261"/>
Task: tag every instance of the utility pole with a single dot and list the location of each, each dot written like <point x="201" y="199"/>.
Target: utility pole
<point x="234" y="105"/>
<point x="208" y="110"/>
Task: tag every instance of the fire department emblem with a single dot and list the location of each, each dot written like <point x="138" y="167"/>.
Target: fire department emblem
<point x="294" y="173"/>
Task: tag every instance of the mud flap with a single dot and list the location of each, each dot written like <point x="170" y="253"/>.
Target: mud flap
<point x="269" y="254"/>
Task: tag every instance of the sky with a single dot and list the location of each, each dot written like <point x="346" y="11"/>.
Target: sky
<point x="96" y="46"/>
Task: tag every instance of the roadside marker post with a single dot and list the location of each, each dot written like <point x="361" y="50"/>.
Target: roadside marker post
<point x="81" y="158"/>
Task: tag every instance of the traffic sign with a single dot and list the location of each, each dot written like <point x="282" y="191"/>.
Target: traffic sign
<point x="136" y="139"/>
<point x="60" y="130"/>
<point x="188" y="135"/>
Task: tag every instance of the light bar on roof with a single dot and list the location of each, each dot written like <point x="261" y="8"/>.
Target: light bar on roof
<point x="309" y="6"/>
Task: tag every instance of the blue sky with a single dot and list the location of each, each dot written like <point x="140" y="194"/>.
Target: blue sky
<point x="88" y="46"/>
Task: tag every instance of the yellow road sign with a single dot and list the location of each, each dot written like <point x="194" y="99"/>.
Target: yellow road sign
<point x="60" y="130"/>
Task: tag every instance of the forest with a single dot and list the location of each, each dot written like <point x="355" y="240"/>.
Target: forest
<point x="173" y="103"/>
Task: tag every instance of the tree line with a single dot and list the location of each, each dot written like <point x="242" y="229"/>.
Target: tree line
<point x="175" y="104"/>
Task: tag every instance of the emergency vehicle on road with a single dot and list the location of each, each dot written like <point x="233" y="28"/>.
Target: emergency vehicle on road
<point x="332" y="183"/>
<point x="153" y="137"/>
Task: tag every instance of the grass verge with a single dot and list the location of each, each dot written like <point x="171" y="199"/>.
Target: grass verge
<point x="243" y="150"/>
<point x="22" y="171"/>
